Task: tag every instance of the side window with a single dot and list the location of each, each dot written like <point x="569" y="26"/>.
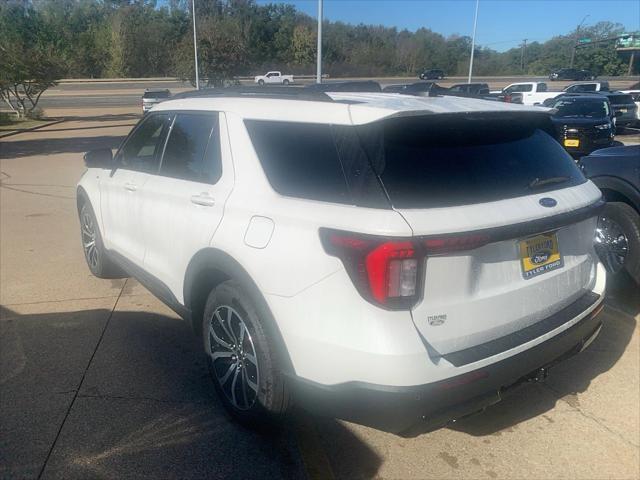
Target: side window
<point x="142" y="149"/>
<point x="542" y="87"/>
<point x="524" y="88"/>
<point x="193" y="149"/>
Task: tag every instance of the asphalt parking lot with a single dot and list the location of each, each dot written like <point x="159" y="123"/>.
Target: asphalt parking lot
<point x="100" y="380"/>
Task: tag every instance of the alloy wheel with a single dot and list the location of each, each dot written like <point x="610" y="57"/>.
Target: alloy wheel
<point x="233" y="357"/>
<point x="611" y="244"/>
<point x="88" y="229"/>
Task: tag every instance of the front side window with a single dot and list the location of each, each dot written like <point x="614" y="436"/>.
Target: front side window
<point x="141" y="151"/>
<point x="193" y="149"/>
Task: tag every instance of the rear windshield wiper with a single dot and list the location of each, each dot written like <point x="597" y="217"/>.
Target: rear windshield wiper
<point x="541" y="182"/>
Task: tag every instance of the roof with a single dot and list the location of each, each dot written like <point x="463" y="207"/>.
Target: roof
<point x="346" y="108"/>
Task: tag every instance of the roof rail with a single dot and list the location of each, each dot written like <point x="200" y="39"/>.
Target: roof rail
<point x="283" y="92"/>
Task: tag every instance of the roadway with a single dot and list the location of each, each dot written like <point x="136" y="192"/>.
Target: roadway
<point x="123" y="93"/>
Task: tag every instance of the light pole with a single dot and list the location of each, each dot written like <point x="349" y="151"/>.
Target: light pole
<point x="473" y="41"/>
<point x="319" y="59"/>
<point x="195" y="42"/>
<point x="575" y="40"/>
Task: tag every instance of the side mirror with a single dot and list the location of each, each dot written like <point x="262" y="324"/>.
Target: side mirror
<point x="100" y="158"/>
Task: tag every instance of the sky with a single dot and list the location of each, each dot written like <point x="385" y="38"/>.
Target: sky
<point x="502" y="24"/>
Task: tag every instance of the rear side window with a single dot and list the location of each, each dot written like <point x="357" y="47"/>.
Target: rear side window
<point x="316" y="162"/>
<point x="193" y="149"/>
<point x="449" y="160"/>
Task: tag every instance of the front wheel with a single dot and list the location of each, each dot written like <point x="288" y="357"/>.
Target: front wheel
<point x="618" y="239"/>
<point x="242" y="357"/>
<point x="261" y="82"/>
<point x="95" y="254"/>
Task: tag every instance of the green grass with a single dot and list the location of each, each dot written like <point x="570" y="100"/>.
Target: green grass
<point x="22" y="124"/>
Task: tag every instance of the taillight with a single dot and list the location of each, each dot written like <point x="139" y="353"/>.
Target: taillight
<point x="388" y="271"/>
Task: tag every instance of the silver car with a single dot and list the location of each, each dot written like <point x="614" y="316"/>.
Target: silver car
<point x="153" y="97"/>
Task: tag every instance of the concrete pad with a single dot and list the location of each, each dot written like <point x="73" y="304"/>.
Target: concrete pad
<point x="528" y="435"/>
<point x="148" y="352"/>
<point x="124" y="438"/>
<point x="43" y="357"/>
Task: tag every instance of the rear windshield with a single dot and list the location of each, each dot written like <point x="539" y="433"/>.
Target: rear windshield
<point x="161" y="94"/>
<point x="581" y="108"/>
<point x="414" y="162"/>
<point x="620" y="99"/>
<point x="449" y="160"/>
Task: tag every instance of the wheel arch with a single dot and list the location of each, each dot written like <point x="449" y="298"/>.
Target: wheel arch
<point x="209" y="268"/>
<point x="617" y="190"/>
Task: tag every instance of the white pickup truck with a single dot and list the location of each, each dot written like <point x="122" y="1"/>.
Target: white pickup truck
<point x="274" y="78"/>
<point x="532" y="92"/>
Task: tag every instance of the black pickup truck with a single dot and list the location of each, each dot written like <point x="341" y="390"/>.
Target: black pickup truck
<point x="616" y="171"/>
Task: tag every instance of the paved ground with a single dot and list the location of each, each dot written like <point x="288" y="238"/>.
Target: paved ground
<point x="99" y="380"/>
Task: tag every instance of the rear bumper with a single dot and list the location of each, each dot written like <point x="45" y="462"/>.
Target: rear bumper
<point x="433" y="405"/>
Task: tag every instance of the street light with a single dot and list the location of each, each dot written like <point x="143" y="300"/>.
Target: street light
<point x="195" y="42"/>
<point x="319" y="59"/>
<point x="473" y="41"/>
<point x="575" y="40"/>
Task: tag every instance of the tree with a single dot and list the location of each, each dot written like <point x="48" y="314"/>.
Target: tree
<point x="29" y="64"/>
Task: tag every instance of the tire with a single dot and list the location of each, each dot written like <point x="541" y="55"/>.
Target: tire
<point x="628" y="220"/>
<point x="285" y="82"/>
<point x="248" y="380"/>
<point x="95" y="254"/>
<point x="261" y="82"/>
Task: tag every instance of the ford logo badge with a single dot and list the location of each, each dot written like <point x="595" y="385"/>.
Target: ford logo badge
<point x="540" y="257"/>
<point x="547" y="202"/>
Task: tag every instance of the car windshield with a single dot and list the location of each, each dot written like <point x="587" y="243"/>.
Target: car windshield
<point x="581" y="107"/>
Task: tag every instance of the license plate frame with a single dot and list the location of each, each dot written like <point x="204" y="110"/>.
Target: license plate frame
<point x="539" y="254"/>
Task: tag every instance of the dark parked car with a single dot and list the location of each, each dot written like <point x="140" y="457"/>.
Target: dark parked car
<point x="583" y="123"/>
<point x="432" y="74"/>
<point x="353" y="86"/>
<point x="419" y="89"/>
<point x="571" y="74"/>
<point x="625" y="109"/>
<point x="479" y="89"/>
<point x="616" y="171"/>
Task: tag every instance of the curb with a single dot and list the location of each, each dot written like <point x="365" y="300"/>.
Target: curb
<point x="38" y="127"/>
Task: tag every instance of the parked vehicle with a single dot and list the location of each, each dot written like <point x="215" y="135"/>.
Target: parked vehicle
<point x="152" y="97"/>
<point x="583" y="123"/>
<point x="616" y="171"/>
<point x="571" y="74"/>
<point x="479" y="89"/>
<point x="634" y="91"/>
<point x="432" y="74"/>
<point x="532" y="92"/>
<point x="416" y="89"/>
<point x="382" y="261"/>
<point x="626" y="110"/>
<point x="587" y="87"/>
<point x="350" y="86"/>
<point x="273" y="78"/>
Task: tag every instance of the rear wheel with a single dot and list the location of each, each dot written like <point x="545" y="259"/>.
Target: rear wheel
<point x="97" y="258"/>
<point x="285" y="82"/>
<point x="618" y="239"/>
<point x="242" y="357"/>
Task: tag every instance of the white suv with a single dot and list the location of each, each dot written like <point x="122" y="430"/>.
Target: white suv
<point x="375" y="257"/>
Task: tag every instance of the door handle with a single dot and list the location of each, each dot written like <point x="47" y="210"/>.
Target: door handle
<point x="203" y="199"/>
<point x="132" y="187"/>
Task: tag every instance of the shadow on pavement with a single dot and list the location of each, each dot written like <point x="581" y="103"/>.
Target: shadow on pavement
<point x="570" y="377"/>
<point x="52" y="146"/>
<point x="144" y="410"/>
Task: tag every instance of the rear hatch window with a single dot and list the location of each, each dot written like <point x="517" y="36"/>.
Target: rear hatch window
<point x="161" y="94"/>
<point x="620" y="99"/>
<point x="450" y="160"/>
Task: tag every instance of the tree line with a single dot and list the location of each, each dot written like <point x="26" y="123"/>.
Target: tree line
<point x="52" y="39"/>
